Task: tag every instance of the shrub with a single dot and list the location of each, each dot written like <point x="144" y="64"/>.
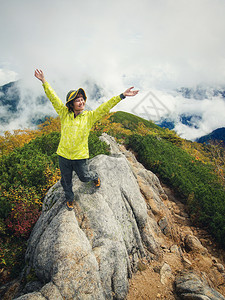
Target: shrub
<point x="22" y="218"/>
<point x="96" y="146"/>
<point x="192" y="179"/>
<point x="11" y="257"/>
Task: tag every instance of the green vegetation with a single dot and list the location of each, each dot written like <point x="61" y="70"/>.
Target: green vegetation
<point x="96" y="146"/>
<point x="26" y="174"/>
<point x="131" y="121"/>
<point x="193" y="180"/>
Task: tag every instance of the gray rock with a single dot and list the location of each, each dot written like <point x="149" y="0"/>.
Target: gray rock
<point x="190" y="286"/>
<point x="175" y="249"/>
<point x="50" y="291"/>
<point x="164" y="226"/>
<point x="114" y="146"/>
<point x="192" y="243"/>
<point x="33" y="296"/>
<point x="138" y="169"/>
<point x="89" y="253"/>
<point x="165" y="273"/>
<point x="32" y="286"/>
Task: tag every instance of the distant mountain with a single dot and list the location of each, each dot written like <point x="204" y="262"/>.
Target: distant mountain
<point x="9" y="94"/>
<point x="9" y="101"/>
<point x="215" y="135"/>
<point x="200" y="93"/>
<point x="95" y="91"/>
<point x="189" y="120"/>
<point x="166" y="123"/>
<point x="12" y="108"/>
<point x="24" y="109"/>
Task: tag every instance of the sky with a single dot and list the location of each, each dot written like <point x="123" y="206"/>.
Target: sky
<point x="156" y="46"/>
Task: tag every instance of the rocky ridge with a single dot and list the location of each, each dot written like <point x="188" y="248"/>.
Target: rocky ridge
<point x="130" y="227"/>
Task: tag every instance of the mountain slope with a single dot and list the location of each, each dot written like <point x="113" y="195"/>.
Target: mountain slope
<point x="193" y="170"/>
<point x="128" y="227"/>
<point x="20" y="166"/>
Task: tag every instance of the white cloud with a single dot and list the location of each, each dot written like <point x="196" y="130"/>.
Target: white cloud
<point x="7" y="76"/>
<point x="162" y="42"/>
<point x="159" y="45"/>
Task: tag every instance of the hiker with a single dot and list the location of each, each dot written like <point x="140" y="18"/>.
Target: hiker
<point x="76" y="124"/>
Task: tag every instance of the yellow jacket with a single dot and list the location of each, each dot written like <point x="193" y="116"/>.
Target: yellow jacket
<point x="75" y="131"/>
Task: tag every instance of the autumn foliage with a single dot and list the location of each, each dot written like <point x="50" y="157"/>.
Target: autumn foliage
<point x="22" y="218"/>
<point x="10" y="141"/>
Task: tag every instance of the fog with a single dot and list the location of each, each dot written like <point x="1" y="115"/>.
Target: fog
<point x="156" y="46"/>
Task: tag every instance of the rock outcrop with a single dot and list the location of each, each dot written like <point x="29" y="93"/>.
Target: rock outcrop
<point x="90" y="253"/>
<point x="191" y="286"/>
<point x="122" y="227"/>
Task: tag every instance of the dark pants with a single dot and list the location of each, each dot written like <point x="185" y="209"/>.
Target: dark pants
<point x="80" y="166"/>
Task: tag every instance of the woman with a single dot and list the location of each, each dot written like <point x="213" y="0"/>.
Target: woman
<point x="76" y="124"/>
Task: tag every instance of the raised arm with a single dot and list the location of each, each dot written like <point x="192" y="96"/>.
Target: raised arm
<point x="50" y="93"/>
<point x="104" y="108"/>
<point x="39" y="75"/>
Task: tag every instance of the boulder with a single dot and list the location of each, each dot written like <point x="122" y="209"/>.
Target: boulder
<point x="90" y="252"/>
<point x="165" y="273"/>
<point x="192" y="243"/>
<point x="164" y="226"/>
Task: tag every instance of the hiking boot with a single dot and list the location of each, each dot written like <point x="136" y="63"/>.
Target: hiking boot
<point x="97" y="182"/>
<point x="69" y="205"/>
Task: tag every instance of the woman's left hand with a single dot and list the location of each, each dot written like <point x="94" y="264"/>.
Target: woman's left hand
<point x="129" y="93"/>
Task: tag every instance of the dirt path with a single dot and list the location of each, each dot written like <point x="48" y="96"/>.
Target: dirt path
<point x="146" y="283"/>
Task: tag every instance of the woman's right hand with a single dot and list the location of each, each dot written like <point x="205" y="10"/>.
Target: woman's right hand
<point x="39" y="75"/>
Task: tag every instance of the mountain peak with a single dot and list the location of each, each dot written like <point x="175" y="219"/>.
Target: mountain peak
<point x="216" y="135"/>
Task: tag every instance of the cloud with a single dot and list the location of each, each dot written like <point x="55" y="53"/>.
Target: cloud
<point x="159" y="43"/>
<point x="153" y="45"/>
<point x="7" y="76"/>
<point x="205" y="115"/>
